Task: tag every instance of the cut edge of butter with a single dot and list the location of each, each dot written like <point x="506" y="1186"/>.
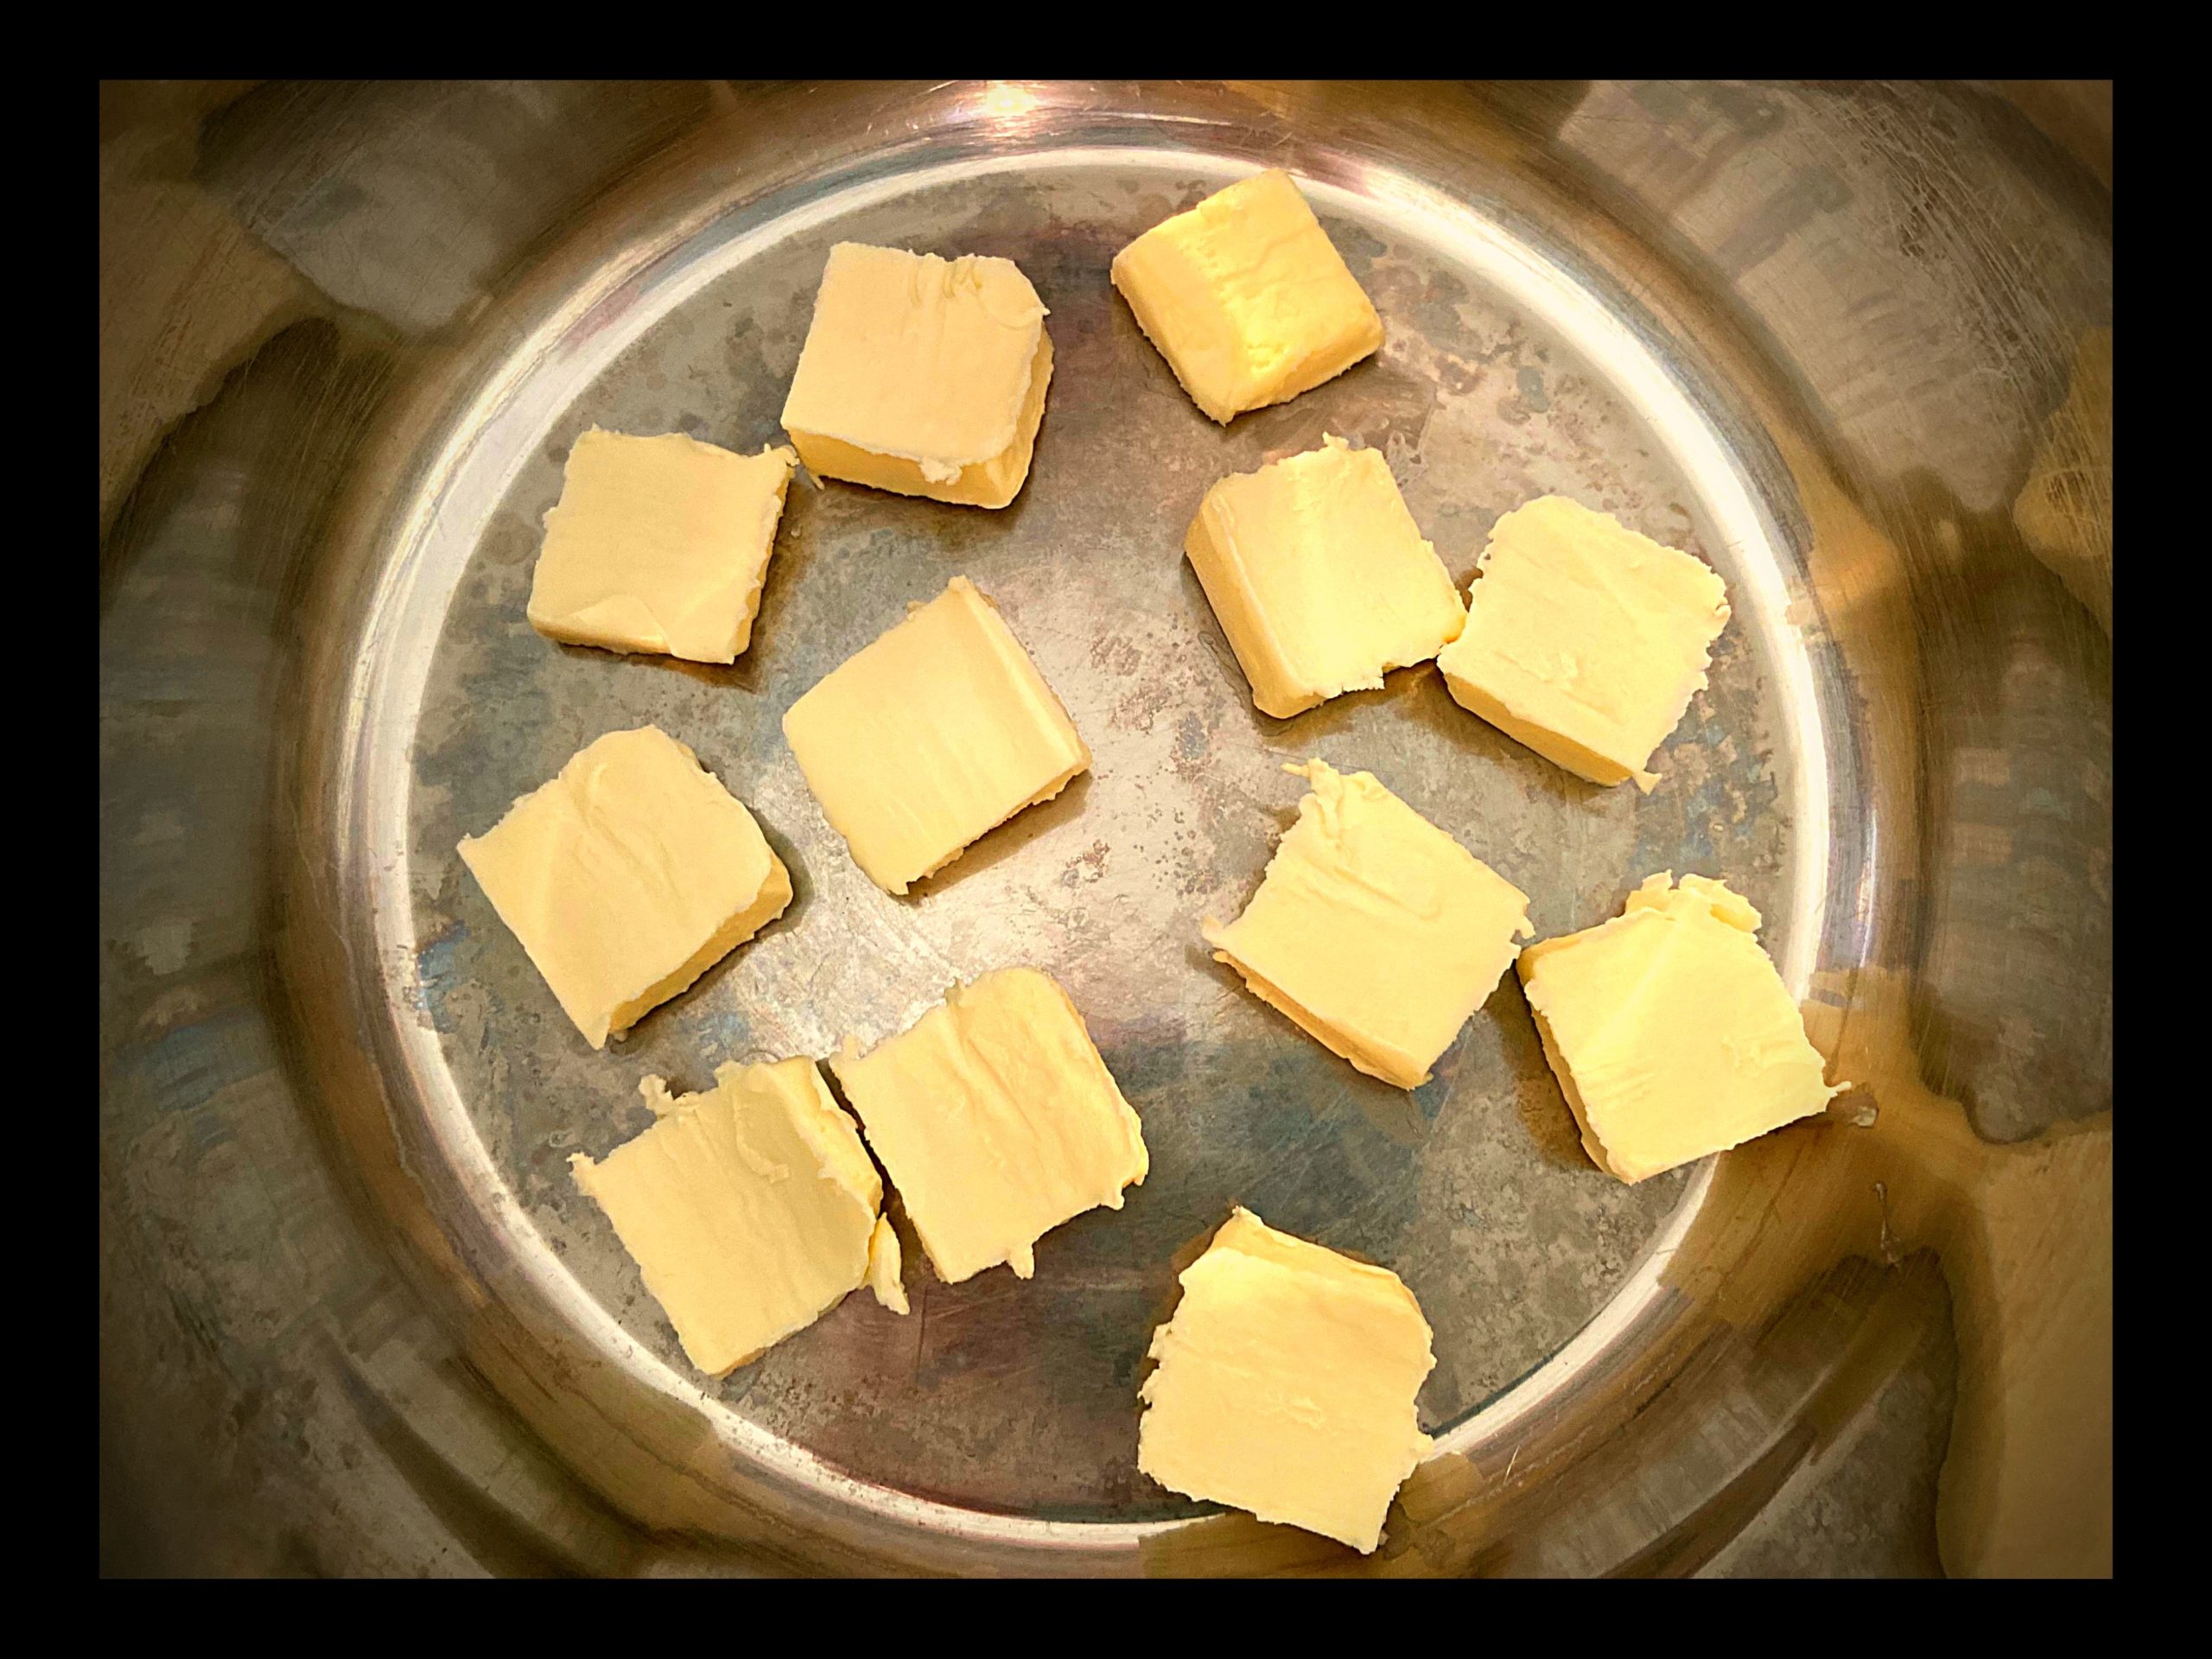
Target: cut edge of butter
<point x="743" y="640"/>
<point x="993" y="481"/>
<point x="1383" y="1061"/>
<point x="1049" y="712"/>
<point x="884" y="1266"/>
<point x="775" y="897"/>
<point x="1591" y="1144"/>
<point x="1561" y="750"/>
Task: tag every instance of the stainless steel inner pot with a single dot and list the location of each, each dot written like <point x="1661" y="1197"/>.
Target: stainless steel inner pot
<point x="1851" y="343"/>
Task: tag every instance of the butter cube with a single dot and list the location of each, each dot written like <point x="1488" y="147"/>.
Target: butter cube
<point x="1247" y="298"/>
<point x="658" y="545"/>
<point x="750" y="1209"/>
<point x="1583" y="639"/>
<point x="939" y="731"/>
<point x="997" y="1119"/>
<point x="1320" y="577"/>
<point x="1670" y="1031"/>
<point x="1285" y="1384"/>
<point x="628" y="876"/>
<point x="1376" y="932"/>
<point x="922" y="376"/>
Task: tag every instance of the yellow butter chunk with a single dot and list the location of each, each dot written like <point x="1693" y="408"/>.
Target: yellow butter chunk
<point x="883" y="1267"/>
<point x="1247" y="298"/>
<point x="1373" y="930"/>
<point x="658" y="545"/>
<point x="627" y="877"/>
<point x="922" y="376"/>
<point x="997" y="1119"/>
<point x="1584" y="640"/>
<point x="1670" y="1031"/>
<point x="938" y="732"/>
<point x="749" y="1208"/>
<point x="1284" y="1384"/>
<point x="1321" y="579"/>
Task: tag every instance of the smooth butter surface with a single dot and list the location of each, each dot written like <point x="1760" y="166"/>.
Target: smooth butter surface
<point x="1373" y="930"/>
<point x="1584" y="640"/>
<point x="997" y="1120"/>
<point x="658" y="545"/>
<point x="1319" y="576"/>
<point x="1670" y="1031"/>
<point x="938" y="732"/>
<point x="921" y="375"/>
<point x="749" y="1208"/>
<point x="1247" y="298"/>
<point x="1285" y="1384"/>
<point x="628" y="876"/>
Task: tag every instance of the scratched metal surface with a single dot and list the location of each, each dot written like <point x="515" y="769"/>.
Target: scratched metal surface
<point x="1850" y="342"/>
<point x="1020" y="1398"/>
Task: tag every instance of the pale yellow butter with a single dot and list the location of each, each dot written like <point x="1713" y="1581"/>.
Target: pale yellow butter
<point x="750" y="1208"/>
<point x="658" y="545"/>
<point x="628" y="876"/>
<point x="1321" y="579"/>
<point x="1670" y="1032"/>
<point x="1374" y="931"/>
<point x="1247" y="298"/>
<point x="998" y="1120"/>
<point x="938" y="732"/>
<point x="1285" y="1384"/>
<point x="884" y="1266"/>
<point x="922" y="376"/>
<point x="1584" y="640"/>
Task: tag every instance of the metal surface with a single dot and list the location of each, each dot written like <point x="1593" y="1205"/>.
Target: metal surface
<point x="1761" y="323"/>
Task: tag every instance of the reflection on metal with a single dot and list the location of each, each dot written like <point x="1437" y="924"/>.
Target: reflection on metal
<point x="338" y="1242"/>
